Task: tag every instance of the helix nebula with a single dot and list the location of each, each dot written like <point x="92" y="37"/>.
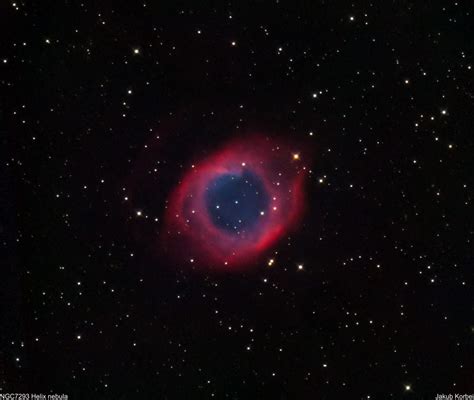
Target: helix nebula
<point x="234" y="205"/>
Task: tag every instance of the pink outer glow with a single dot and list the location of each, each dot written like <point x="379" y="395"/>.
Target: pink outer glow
<point x="189" y="232"/>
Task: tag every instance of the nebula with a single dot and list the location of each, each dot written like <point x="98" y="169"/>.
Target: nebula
<point x="232" y="206"/>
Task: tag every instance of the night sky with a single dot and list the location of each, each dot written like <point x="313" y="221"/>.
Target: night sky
<point x="106" y="109"/>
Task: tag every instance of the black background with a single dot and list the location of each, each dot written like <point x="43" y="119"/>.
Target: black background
<point x="384" y="304"/>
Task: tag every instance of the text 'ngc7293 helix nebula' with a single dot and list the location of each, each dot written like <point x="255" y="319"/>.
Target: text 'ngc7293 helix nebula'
<point x="236" y="203"/>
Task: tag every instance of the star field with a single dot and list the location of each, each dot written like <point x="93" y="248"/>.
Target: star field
<point x="108" y="109"/>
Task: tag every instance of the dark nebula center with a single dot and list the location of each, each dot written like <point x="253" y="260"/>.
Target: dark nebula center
<point x="236" y="202"/>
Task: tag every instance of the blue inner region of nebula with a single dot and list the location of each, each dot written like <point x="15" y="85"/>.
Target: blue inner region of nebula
<point x="237" y="202"/>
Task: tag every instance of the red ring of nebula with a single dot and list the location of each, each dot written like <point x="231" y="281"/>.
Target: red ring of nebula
<point x="189" y="228"/>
